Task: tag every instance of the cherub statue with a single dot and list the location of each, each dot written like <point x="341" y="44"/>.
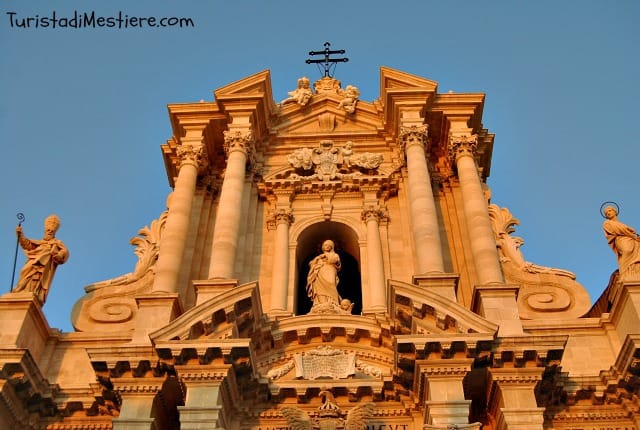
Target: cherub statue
<point x="348" y="103"/>
<point x="43" y="256"/>
<point x="301" y="95"/>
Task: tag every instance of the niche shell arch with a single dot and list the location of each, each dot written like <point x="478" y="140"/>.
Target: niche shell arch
<point x="308" y="245"/>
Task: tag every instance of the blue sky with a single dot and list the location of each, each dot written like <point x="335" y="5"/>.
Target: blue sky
<point x="83" y="111"/>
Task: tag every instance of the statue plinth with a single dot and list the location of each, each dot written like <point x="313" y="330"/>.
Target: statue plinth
<point x="23" y="323"/>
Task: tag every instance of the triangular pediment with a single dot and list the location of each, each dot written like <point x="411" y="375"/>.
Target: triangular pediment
<point x="258" y="83"/>
<point x="392" y="78"/>
<point x="323" y="116"/>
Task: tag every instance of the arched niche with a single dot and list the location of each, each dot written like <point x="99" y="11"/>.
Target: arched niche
<point x="346" y="245"/>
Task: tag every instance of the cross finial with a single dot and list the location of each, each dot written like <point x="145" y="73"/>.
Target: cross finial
<point x="328" y="63"/>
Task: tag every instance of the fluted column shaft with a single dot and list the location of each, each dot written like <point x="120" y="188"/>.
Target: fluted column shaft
<point x="377" y="297"/>
<point x="424" y="219"/>
<point x="176" y="230"/>
<point x="483" y="244"/>
<point x="280" y="274"/>
<point x="225" y="234"/>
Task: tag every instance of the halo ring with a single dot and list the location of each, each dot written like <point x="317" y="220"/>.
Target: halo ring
<point x="605" y="204"/>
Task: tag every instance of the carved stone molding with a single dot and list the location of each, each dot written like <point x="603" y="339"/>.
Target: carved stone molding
<point x="462" y="144"/>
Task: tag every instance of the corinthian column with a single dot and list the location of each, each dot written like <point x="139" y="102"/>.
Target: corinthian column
<point x="225" y="235"/>
<point x="375" y="299"/>
<point x="462" y="147"/>
<point x="177" y="227"/>
<point x="424" y="221"/>
<point x="280" y="276"/>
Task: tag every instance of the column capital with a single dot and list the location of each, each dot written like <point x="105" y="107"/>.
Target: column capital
<point x="280" y="216"/>
<point x="238" y="140"/>
<point x="462" y="144"/>
<point x="374" y="213"/>
<point x="415" y="134"/>
<point x="192" y="154"/>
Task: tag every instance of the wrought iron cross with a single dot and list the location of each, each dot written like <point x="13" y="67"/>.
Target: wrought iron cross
<point x="327" y="62"/>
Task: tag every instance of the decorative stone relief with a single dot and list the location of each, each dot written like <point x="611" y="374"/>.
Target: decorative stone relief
<point x="327" y="162"/>
<point x="280" y="371"/>
<point x="329" y="416"/>
<point x="325" y="361"/>
<point x="327" y="84"/>
<point x="544" y="290"/>
<point x="368" y="369"/>
<point x="110" y="304"/>
<point x="302" y="94"/>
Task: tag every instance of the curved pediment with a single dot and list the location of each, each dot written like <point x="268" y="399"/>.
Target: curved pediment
<point x="234" y="313"/>
<point x="419" y="310"/>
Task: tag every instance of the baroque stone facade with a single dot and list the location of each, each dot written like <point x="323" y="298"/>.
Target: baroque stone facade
<point x="328" y="263"/>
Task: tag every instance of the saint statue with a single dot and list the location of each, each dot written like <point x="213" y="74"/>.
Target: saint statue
<point x="624" y="242"/>
<point x="322" y="282"/>
<point x="43" y="256"/>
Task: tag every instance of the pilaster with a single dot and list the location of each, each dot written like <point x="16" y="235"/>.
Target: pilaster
<point x="445" y="403"/>
<point x="512" y="398"/>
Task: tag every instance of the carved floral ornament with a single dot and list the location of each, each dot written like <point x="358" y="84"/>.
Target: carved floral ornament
<point x="238" y="140"/>
<point x="192" y="154"/>
<point x="327" y="162"/>
<point x="374" y="213"/>
<point x="413" y="135"/>
<point x="461" y="144"/>
<point x="280" y="216"/>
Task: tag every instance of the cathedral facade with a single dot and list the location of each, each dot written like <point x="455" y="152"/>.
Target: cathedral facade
<point x="325" y="262"/>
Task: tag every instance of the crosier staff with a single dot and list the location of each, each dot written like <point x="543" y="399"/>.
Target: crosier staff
<point x="20" y="217"/>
